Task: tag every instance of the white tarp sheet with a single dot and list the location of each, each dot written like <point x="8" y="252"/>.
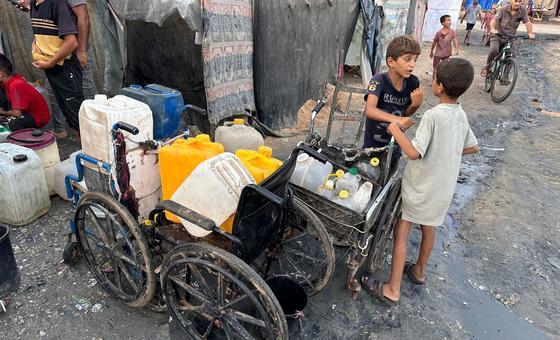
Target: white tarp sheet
<point x="437" y="8"/>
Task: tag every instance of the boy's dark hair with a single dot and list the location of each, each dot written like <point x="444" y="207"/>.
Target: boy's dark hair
<point x="6" y="65"/>
<point x="405" y="44"/>
<point x="443" y="18"/>
<point x="456" y="75"/>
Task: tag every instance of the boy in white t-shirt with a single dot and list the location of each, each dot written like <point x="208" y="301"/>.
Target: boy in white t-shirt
<point x="428" y="184"/>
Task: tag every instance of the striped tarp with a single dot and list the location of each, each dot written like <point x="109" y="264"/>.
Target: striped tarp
<point x="227" y="52"/>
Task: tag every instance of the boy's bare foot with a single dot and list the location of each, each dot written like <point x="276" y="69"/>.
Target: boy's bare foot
<point x="60" y="134"/>
<point x="484" y="72"/>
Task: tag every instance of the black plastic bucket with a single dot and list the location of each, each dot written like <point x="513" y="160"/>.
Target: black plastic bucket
<point x="9" y="274"/>
<point x="289" y="293"/>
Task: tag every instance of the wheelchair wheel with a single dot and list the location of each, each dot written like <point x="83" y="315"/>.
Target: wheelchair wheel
<point x="383" y="235"/>
<point x="115" y="249"/>
<point x="214" y="294"/>
<point x="304" y="252"/>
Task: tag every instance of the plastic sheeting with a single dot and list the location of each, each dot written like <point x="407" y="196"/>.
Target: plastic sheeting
<point x="484" y="4"/>
<point x="296" y="52"/>
<point x="437" y="8"/>
<point x="394" y="24"/>
<point x="158" y="11"/>
<point x="373" y="17"/>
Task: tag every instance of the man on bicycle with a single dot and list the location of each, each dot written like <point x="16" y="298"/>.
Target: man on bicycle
<point x="506" y="23"/>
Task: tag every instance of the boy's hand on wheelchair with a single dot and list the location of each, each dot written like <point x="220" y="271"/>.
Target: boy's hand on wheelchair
<point x="531" y="36"/>
<point x="404" y="123"/>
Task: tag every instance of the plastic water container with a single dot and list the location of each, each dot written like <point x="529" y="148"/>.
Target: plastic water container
<point x="63" y="169"/>
<point x="166" y="104"/>
<point x="178" y="160"/>
<point x="236" y="135"/>
<point x="344" y="200"/>
<point x="371" y="168"/>
<point x="97" y="117"/>
<point x="44" y="144"/>
<point x="362" y="196"/>
<point x="25" y="195"/>
<point x="259" y="163"/>
<point x="4" y="132"/>
<point x="219" y="179"/>
<point x="349" y="182"/>
<point x="327" y="190"/>
<point x="310" y="173"/>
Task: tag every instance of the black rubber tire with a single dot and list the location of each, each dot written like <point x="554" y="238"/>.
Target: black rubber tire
<point x="141" y="296"/>
<point x="71" y="253"/>
<point x="224" y="264"/>
<point x="488" y="81"/>
<point x="513" y="68"/>
<point x="383" y="233"/>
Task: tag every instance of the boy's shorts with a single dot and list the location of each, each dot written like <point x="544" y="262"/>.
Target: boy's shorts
<point x="66" y="83"/>
<point x="437" y="60"/>
<point x="470" y="27"/>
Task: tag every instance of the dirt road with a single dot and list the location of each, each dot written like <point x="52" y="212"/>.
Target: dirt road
<point x="495" y="269"/>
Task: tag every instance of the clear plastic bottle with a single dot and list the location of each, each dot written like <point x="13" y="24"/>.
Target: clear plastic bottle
<point x="349" y="182"/>
<point x="371" y="168"/>
<point x="310" y="173"/>
<point x="362" y="197"/>
<point x="344" y="200"/>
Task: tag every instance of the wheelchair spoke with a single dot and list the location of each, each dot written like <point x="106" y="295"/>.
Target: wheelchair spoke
<point x="234" y="301"/>
<point x="246" y="318"/>
<point x="301" y="274"/>
<point x="127" y="275"/>
<point x="201" y="281"/>
<point x="209" y="329"/>
<point x="305" y="256"/>
<point x="190" y="289"/>
<point x="190" y="308"/>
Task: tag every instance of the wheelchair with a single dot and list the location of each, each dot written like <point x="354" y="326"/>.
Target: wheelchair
<point x="215" y="286"/>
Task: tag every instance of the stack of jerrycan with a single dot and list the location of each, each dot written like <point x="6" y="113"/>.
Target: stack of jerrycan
<point x="97" y="117"/>
<point x="178" y="160"/>
<point x="44" y="144"/>
<point x="218" y="179"/>
<point x="238" y="136"/>
<point x="25" y="195"/>
<point x="310" y="173"/>
<point x="166" y="104"/>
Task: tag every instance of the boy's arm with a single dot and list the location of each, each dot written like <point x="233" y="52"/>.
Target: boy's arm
<point x="83" y="33"/>
<point x="403" y="141"/>
<point x="372" y="112"/>
<point x="456" y="44"/>
<point x="471" y="150"/>
<point x="463" y="18"/>
<point x="432" y="49"/>
<point x="68" y="46"/>
<point x="416" y="98"/>
<point x="11" y="113"/>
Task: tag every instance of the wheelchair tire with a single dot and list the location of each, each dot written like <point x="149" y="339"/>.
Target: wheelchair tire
<point x="214" y="294"/>
<point x="115" y="249"/>
<point x="71" y="253"/>
<point x="383" y="233"/>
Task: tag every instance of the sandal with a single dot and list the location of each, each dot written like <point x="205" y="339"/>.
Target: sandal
<point x="408" y="271"/>
<point x="376" y="290"/>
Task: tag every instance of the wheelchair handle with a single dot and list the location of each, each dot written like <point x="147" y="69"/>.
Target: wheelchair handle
<point x="313" y="153"/>
<point x="195" y="109"/>
<point x="318" y="107"/>
<point x="126" y="127"/>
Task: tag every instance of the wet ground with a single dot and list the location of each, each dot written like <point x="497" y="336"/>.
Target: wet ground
<point x="494" y="272"/>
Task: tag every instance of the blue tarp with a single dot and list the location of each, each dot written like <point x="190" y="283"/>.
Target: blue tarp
<point x="485" y="4"/>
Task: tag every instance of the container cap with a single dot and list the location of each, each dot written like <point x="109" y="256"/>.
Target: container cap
<point x="34" y="139"/>
<point x="203" y="137"/>
<point x="374" y="161"/>
<point x="136" y="87"/>
<point x="353" y="171"/>
<point x="329" y="185"/>
<point x="343" y="194"/>
<point x="302" y="158"/>
<point x="19" y="158"/>
<point x="265" y="151"/>
<point x="239" y="121"/>
<point x="339" y="173"/>
<point x="101" y="98"/>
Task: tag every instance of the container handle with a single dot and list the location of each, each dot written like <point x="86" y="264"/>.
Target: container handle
<point x="195" y="109"/>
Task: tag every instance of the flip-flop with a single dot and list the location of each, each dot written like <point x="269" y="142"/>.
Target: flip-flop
<point x="408" y="271"/>
<point x="376" y="290"/>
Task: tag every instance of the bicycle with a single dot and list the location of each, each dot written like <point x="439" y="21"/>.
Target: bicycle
<point x="502" y="72"/>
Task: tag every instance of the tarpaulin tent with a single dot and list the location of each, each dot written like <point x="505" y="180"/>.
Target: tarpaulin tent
<point x="484" y="4"/>
<point x="437" y="8"/>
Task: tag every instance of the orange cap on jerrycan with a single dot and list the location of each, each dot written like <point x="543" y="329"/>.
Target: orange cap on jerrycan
<point x="178" y="160"/>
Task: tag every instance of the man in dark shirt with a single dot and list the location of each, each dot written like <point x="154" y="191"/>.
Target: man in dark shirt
<point x="506" y="22"/>
<point x="395" y="95"/>
<point x="55" y="31"/>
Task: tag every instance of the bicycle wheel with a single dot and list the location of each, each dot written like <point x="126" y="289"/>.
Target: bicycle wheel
<point x="488" y="80"/>
<point x="504" y="80"/>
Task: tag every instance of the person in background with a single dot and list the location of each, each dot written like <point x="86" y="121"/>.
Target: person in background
<point x="24" y="106"/>
<point x="84" y="54"/>
<point x="486" y="25"/>
<point x="443" y="42"/>
<point x="471" y="12"/>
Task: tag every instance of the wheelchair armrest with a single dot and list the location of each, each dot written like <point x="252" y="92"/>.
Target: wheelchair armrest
<point x="265" y="193"/>
<point x="187" y="214"/>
